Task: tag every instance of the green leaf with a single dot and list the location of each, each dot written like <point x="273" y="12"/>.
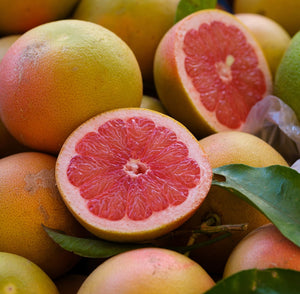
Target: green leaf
<point x="274" y="190"/>
<point x="269" y="281"/>
<point x="93" y="248"/>
<point x="186" y="7"/>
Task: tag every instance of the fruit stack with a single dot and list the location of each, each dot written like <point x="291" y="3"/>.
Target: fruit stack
<point x="129" y="163"/>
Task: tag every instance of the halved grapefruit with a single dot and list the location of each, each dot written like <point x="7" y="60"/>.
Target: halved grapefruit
<point x="209" y="71"/>
<point x="132" y="174"/>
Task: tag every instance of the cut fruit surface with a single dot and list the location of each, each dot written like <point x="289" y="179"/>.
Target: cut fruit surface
<point x="210" y="71"/>
<point x="132" y="174"/>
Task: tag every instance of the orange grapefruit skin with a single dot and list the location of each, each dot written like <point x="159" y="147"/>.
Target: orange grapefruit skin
<point x="23" y="15"/>
<point x="28" y="199"/>
<point x="175" y="88"/>
<point x="114" y="182"/>
<point x="224" y="148"/>
<point x="59" y="74"/>
<point x="149" y="270"/>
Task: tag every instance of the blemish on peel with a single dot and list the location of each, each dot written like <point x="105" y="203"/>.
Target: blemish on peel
<point x="44" y="179"/>
<point x="9" y="289"/>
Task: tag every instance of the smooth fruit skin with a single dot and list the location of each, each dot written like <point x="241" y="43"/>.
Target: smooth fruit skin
<point x="141" y="24"/>
<point x="230" y="148"/>
<point x="58" y="75"/>
<point x="287" y="79"/>
<point x="149" y="270"/>
<point x="22" y="15"/>
<point x="175" y="88"/>
<point x="29" y="199"/>
<point x="285" y="12"/>
<point x="20" y="275"/>
<point x="263" y="248"/>
<point x="272" y="37"/>
<point x="152" y="103"/>
<point x="5" y="43"/>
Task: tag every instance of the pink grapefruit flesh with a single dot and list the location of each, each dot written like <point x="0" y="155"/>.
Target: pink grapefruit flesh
<point x="132" y="174"/>
<point x="210" y="71"/>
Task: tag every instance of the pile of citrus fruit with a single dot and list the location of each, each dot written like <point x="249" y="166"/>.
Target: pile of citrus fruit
<point x="113" y="116"/>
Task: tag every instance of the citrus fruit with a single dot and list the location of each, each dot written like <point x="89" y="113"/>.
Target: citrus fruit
<point x="263" y="248"/>
<point x="132" y="174"/>
<point x="209" y="71"/>
<point x="224" y="148"/>
<point x="272" y="37"/>
<point x="152" y="103"/>
<point x="20" y="275"/>
<point x="287" y="79"/>
<point x="21" y="15"/>
<point x="285" y="12"/>
<point x="69" y="283"/>
<point x="141" y="24"/>
<point x="29" y="199"/>
<point x="8" y="144"/>
<point x="5" y="43"/>
<point x="59" y="74"/>
<point x="147" y="270"/>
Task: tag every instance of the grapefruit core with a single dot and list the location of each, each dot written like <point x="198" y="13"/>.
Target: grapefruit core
<point x="210" y="65"/>
<point x="132" y="174"/>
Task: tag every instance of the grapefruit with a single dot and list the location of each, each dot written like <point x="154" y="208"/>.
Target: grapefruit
<point x="20" y="275"/>
<point x="263" y="248"/>
<point x="152" y="103"/>
<point x="287" y="79"/>
<point x="149" y="270"/>
<point x="272" y="37"/>
<point x="141" y="24"/>
<point x="224" y="148"/>
<point x="5" y="43"/>
<point x="132" y="174"/>
<point x="284" y="12"/>
<point x="209" y="71"/>
<point x="22" y="15"/>
<point x="28" y="199"/>
<point x="59" y="74"/>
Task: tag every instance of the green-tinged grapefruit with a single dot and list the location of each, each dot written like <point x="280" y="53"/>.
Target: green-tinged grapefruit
<point x="19" y="275"/>
<point x="152" y="103"/>
<point x="209" y="71"/>
<point x="148" y="271"/>
<point x="132" y="174"/>
<point x="58" y="75"/>
<point x="287" y="79"/>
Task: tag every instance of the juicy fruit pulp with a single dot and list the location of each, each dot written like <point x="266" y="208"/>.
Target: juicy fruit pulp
<point x="210" y="65"/>
<point x="132" y="174"/>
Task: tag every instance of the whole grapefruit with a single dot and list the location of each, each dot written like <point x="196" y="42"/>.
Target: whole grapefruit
<point x="59" y="74"/>
<point x="263" y="248"/>
<point x="284" y="12"/>
<point x="20" y="275"/>
<point x="209" y="71"/>
<point x="29" y="199"/>
<point x="149" y="270"/>
<point x="132" y="174"/>
<point x="224" y="148"/>
<point x="141" y="24"/>
<point x="19" y="16"/>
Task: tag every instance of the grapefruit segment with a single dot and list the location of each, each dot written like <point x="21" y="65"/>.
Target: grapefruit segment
<point x="210" y="65"/>
<point x="132" y="174"/>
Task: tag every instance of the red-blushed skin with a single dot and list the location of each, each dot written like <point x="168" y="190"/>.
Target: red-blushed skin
<point x="149" y="270"/>
<point x="127" y="228"/>
<point x="263" y="248"/>
<point x="175" y="88"/>
<point x="58" y="75"/>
